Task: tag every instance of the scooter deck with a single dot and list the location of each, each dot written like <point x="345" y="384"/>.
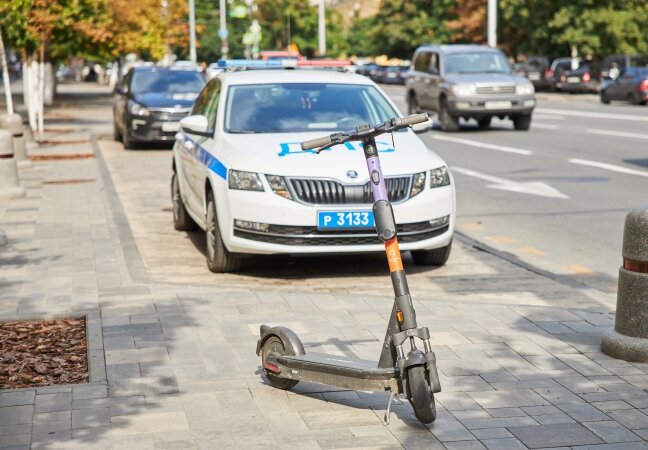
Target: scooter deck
<point x="338" y="365"/>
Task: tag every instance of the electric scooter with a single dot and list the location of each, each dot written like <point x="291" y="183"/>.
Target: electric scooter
<point x="414" y="373"/>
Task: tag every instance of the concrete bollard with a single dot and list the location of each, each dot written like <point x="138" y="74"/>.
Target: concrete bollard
<point x="9" y="185"/>
<point x="13" y="123"/>
<point x="629" y="340"/>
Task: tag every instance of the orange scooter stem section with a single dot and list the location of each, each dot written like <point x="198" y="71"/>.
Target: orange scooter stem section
<point x="393" y="255"/>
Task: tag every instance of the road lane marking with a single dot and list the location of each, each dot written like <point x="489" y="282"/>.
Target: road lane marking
<point x="472" y="143"/>
<point x="548" y="117"/>
<point x="593" y="115"/>
<point x="532" y="251"/>
<point x="522" y="187"/>
<point x="612" y="167"/>
<point x="577" y="269"/>
<point x="546" y="126"/>
<point x="618" y="133"/>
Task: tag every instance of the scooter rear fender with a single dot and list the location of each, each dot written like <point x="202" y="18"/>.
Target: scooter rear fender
<point x="288" y="337"/>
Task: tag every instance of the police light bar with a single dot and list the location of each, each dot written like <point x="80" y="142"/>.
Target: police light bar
<point x="279" y="63"/>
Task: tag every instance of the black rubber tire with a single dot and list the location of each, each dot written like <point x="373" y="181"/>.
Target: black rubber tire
<point x="412" y="104"/>
<point x="129" y="143"/>
<point x="421" y="397"/>
<point x="219" y="259"/>
<point x="636" y="100"/>
<point x="182" y="221"/>
<point x="604" y="98"/>
<point x="435" y="257"/>
<point x="448" y="121"/>
<point x="522" y="122"/>
<point x="117" y="136"/>
<point x="274" y="345"/>
<point x="484" y="122"/>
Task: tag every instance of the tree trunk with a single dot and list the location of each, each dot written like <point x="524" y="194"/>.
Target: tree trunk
<point x="41" y="93"/>
<point x="50" y="85"/>
<point x="5" y="76"/>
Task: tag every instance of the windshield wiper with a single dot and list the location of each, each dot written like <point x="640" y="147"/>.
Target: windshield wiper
<point x="244" y="131"/>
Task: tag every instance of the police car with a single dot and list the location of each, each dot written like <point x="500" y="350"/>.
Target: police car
<point x="240" y="175"/>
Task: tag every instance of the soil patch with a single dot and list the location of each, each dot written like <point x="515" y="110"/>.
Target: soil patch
<point x="43" y="353"/>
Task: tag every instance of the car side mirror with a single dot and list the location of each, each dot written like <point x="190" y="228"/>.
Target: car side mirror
<point x="120" y="89"/>
<point x="423" y="127"/>
<point x="196" y="124"/>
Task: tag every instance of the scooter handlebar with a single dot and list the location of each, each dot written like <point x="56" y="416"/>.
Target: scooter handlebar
<point x="411" y="120"/>
<point x="316" y="143"/>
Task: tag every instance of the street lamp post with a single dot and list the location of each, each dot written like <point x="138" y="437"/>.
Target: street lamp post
<point x="492" y="23"/>
<point x="192" y="32"/>
<point x="322" y="29"/>
<point x="222" y="32"/>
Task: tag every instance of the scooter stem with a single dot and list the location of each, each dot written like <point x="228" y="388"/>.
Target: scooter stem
<point x="404" y="310"/>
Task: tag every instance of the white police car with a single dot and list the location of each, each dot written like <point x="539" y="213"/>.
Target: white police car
<point x="239" y="172"/>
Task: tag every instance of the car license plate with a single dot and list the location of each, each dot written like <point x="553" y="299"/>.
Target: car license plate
<point x="573" y="80"/>
<point x="534" y="75"/>
<point x="497" y="105"/>
<point x="170" y="126"/>
<point x="344" y="219"/>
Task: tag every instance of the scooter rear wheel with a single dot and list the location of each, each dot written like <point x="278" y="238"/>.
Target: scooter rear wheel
<point x="273" y="345"/>
<point x="421" y="397"/>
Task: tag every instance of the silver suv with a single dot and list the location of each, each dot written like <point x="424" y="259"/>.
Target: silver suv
<point x="469" y="81"/>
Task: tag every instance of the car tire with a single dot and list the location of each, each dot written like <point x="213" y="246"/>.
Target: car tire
<point x="117" y="136"/>
<point x="484" y="122"/>
<point x="129" y="143"/>
<point x="604" y="98"/>
<point x="219" y="259"/>
<point x="448" y="121"/>
<point x="522" y="122"/>
<point x="412" y="104"/>
<point x="182" y="221"/>
<point x="435" y="257"/>
<point x="636" y="100"/>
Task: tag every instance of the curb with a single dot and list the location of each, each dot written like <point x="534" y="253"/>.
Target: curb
<point x="3" y="238"/>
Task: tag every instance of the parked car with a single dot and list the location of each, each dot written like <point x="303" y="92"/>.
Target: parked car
<point x="394" y="75"/>
<point x="539" y="72"/>
<point x="585" y="78"/>
<point x="150" y="101"/>
<point x="367" y="69"/>
<point x="239" y="172"/>
<point x="631" y="85"/>
<point x="378" y="74"/>
<point x="559" y="67"/>
<point x="470" y="82"/>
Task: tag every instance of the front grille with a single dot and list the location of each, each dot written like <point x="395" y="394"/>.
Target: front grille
<point x="496" y="90"/>
<point x="168" y="115"/>
<point x="331" y="192"/>
<point x="311" y="236"/>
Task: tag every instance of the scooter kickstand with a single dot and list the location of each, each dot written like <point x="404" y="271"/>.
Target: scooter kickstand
<point x="387" y="413"/>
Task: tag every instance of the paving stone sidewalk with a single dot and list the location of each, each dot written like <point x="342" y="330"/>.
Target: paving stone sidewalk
<point x="172" y="345"/>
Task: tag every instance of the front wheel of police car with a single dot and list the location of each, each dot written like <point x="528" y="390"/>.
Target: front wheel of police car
<point x="219" y="259"/>
<point x="435" y="257"/>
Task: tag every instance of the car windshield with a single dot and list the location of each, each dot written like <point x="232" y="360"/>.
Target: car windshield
<point x="167" y="82"/>
<point x="476" y="62"/>
<point x="299" y="107"/>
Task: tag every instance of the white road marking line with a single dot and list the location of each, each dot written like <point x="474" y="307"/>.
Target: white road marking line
<point x="472" y="143"/>
<point x="548" y="117"/>
<point x="594" y="115"/>
<point x="618" y="133"/>
<point x="612" y="167"/>
<point x="523" y="187"/>
<point x="546" y="126"/>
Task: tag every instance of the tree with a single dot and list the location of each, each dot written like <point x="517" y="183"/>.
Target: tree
<point x="470" y="23"/>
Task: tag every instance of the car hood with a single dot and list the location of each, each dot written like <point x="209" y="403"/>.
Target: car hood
<point x="281" y="154"/>
<point x="160" y="100"/>
<point x="484" y="78"/>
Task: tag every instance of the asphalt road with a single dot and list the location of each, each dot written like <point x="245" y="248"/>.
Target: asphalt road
<point x="556" y="196"/>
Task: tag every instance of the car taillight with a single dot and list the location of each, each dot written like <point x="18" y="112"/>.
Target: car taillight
<point x="586" y="77"/>
<point x="548" y="73"/>
<point x="643" y="86"/>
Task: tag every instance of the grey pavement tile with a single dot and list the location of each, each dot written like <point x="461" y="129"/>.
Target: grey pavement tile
<point x="15" y="415"/>
<point x="642" y="433"/>
<point x="7" y="430"/>
<point x="550" y="419"/>
<point x="446" y="428"/>
<point x="491" y="433"/>
<point x="90" y="403"/>
<point x="504" y="444"/>
<point x="611" y="405"/>
<point x="538" y="410"/>
<point x="555" y="435"/>
<point x="631" y="418"/>
<point x="15" y="441"/>
<point x="465" y="445"/>
<point x="619" y="446"/>
<point x="505" y="399"/>
<point x="611" y="431"/>
<point x="90" y="391"/>
<point x="558" y="395"/>
<point x="55" y="416"/>
<point x="505" y="422"/>
<point x="91" y="418"/>
<point x="47" y="427"/>
<point x="115" y="371"/>
<point x="61" y="401"/>
<point x="583" y="412"/>
<point x="17" y="398"/>
<point x="507" y="412"/>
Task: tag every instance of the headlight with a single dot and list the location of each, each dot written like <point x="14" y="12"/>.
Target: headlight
<point x="245" y="181"/>
<point x="418" y="184"/>
<point x="464" y="90"/>
<point x="138" y="110"/>
<point x="524" y="89"/>
<point x="279" y="186"/>
<point x="439" y="177"/>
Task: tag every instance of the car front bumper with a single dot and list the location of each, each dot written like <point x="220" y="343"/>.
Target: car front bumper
<point x="292" y="226"/>
<point x="491" y="106"/>
<point x="154" y="128"/>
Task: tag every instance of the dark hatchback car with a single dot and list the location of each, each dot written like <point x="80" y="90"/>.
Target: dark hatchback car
<point x="539" y="72"/>
<point x="631" y="85"/>
<point x="394" y="75"/>
<point x="150" y="101"/>
<point x="585" y="78"/>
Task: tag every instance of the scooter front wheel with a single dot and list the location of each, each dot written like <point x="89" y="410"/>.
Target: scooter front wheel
<point x="421" y="397"/>
<point x="273" y="345"/>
